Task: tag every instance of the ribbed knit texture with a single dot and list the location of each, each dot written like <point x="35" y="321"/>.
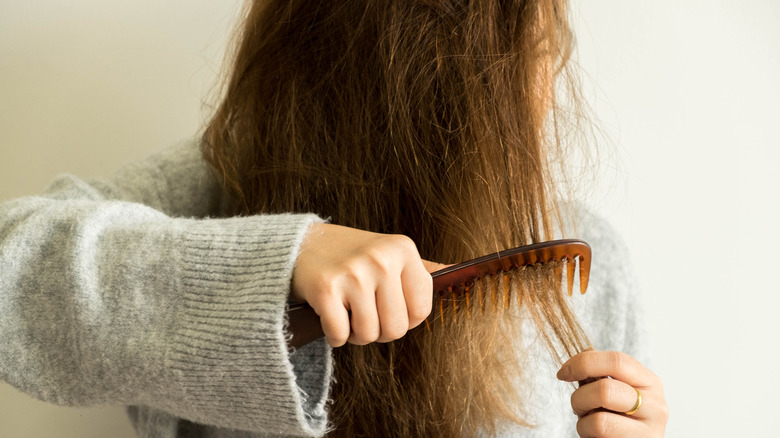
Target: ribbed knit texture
<point x="126" y="292"/>
<point x="106" y="301"/>
<point x="230" y="353"/>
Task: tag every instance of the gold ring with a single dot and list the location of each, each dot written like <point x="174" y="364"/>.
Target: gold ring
<point x="638" y="403"/>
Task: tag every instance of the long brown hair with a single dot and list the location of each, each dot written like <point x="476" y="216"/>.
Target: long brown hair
<point x="427" y="118"/>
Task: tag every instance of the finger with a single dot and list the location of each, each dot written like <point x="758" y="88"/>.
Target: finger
<point x="609" y="394"/>
<point x="364" y="320"/>
<point x="391" y="310"/>
<point x="418" y="293"/>
<point x="334" y="319"/>
<point x="615" y="364"/>
<point x="603" y="424"/>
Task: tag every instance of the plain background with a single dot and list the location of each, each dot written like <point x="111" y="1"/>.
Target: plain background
<point x="686" y="93"/>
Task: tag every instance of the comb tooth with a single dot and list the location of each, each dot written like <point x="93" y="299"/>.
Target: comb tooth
<point x="441" y="308"/>
<point x="558" y="271"/>
<point x="454" y="305"/>
<point x="427" y="324"/>
<point x="481" y="296"/>
<point x="518" y="285"/>
<point x="507" y="292"/>
<point x="493" y="288"/>
<point x="467" y="293"/>
<point x="570" y="265"/>
<point x="584" y="272"/>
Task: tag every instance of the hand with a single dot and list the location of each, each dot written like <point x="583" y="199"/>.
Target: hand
<point x="609" y="381"/>
<point x="366" y="287"/>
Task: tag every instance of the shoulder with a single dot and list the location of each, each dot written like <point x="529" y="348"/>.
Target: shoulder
<point x="611" y="310"/>
<point x="611" y="256"/>
<point x="176" y="180"/>
<point x="611" y="260"/>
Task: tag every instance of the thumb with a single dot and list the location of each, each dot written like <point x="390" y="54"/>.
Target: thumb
<point x="432" y="267"/>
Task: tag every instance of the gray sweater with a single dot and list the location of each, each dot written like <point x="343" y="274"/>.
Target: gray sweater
<point x="129" y="292"/>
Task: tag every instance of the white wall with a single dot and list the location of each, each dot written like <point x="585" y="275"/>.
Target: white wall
<point x="687" y="90"/>
<point x="86" y="86"/>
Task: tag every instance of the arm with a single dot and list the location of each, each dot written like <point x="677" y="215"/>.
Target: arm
<point x="106" y="301"/>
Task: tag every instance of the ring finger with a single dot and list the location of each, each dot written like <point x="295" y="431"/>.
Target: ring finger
<point x="391" y="309"/>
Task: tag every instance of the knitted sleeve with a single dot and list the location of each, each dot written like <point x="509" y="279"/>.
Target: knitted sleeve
<point x="105" y="300"/>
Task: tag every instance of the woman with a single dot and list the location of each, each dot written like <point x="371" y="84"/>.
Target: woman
<point x="422" y="119"/>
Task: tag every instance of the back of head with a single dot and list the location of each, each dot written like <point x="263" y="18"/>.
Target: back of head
<point x="423" y="118"/>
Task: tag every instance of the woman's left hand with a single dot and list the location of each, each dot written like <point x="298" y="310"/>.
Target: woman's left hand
<point x="606" y="401"/>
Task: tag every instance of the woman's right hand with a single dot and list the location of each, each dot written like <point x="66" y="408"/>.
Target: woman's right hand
<point x="366" y="287"/>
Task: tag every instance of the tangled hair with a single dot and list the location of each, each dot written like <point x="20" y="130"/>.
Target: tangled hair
<point x="427" y="118"/>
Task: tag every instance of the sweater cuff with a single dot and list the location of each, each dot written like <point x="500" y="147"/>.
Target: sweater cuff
<point x="229" y="349"/>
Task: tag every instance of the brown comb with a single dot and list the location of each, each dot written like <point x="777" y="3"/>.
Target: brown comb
<point x="451" y="282"/>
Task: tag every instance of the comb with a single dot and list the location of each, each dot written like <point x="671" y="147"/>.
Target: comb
<point x="454" y="281"/>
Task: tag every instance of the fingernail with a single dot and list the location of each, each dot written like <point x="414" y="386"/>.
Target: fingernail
<point x="564" y="373"/>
